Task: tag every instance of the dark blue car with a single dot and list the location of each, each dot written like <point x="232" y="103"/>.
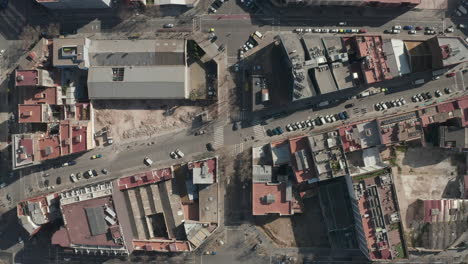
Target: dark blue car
<point x="3" y="4"/>
<point x="408" y="27"/>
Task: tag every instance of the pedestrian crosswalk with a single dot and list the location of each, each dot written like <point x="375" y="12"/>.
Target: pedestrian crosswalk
<point x="259" y="131"/>
<point x="239" y="116"/>
<point x="238" y="148"/>
<point x="218" y="136"/>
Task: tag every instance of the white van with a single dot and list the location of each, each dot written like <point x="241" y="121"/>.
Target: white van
<point x="258" y="34"/>
<point x="148" y="161"/>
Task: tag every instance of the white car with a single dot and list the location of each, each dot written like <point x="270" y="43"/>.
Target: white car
<point x="308" y="30"/>
<point x="173" y="155"/>
<point x="396" y="31"/>
<point x="299" y="30"/>
<point x="403" y="101"/>
<point x="148" y="161"/>
<point x="298" y="124"/>
<point x="412" y="32"/>
<point x="317" y="30"/>
<point x="449" y="30"/>
<point x="325" y="30"/>
<point x="73" y="178"/>
<point x="289" y="127"/>
<point x="397" y="27"/>
<point x="308" y="123"/>
<point x="179" y="153"/>
<point x="342" y="23"/>
<point x="354" y="30"/>
<point x="335" y="30"/>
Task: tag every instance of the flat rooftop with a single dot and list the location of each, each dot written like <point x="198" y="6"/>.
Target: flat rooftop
<point x="276" y="205"/>
<point x="39" y="95"/>
<point x="325" y="81"/>
<point x="204" y="171"/>
<point x="145" y="178"/>
<point x="302" y="163"/>
<point x="30" y="113"/>
<point x="454" y="50"/>
<point x="78" y="229"/>
<point x="26" y="78"/>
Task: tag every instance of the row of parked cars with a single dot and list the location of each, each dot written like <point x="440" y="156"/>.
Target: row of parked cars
<point x="420" y="97"/>
<point x="326" y="30"/>
<point x="390" y="104"/>
<point x="311" y="123"/>
<point x="411" y="30"/>
<point x="87" y="174"/>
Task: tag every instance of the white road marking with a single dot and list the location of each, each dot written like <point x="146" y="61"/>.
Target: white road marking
<point x="259" y="131"/>
<point x="218" y="136"/>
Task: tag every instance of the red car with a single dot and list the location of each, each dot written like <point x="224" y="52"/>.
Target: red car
<point x="363" y="30"/>
<point x="450" y="74"/>
<point x="418" y="28"/>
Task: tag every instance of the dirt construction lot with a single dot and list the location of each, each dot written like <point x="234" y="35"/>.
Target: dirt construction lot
<point x="305" y="229"/>
<point x="131" y="120"/>
<point x="424" y="173"/>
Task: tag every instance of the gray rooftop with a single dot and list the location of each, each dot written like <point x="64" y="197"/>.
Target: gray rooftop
<point x="201" y="175"/>
<point x="311" y="52"/>
<point x="458" y="50"/>
<point x="261" y="173"/>
<point x="368" y="134"/>
<point x="150" y="82"/>
<point x="325" y="80"/>
<point x="97" y="223"/>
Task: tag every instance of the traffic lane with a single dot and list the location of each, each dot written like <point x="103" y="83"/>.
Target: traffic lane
<point x="369" y="102"/>
<point x="232" y="32"/>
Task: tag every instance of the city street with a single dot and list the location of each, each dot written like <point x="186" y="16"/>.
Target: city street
<point x="233" y="24"/>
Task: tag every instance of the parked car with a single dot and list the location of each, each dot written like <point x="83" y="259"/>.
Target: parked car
<point x="289" y="127"/>
<point x="78" y="175"/>
<point x="173" y="155"/>
<point x="58" y="181"/>
<point x="73" y="178"/>
<point x="147" y="161"/>
<point x="279" y="130"/>
<point x="349" y="105"/>
<point x="397" y="27"/>
<point x="270" y="132"/>
<point x="450" y="74"/>
<point x="168" y="25"/>
<point x="96" y="156"/>
<point x="105" y="171"/>
<point x="408" y="27"/>
<point x="342" y="23"/>
<point x="210" y="147"/>
<point x="447" y="90"/>
<point x="179" y="153"/>
<point x="363" y="30"/>
<point x="412" y="32"/>
<point x="95" y="173"/>
<point x="418" y="28"/>
<point x="437" y="93"/>
<point x="396" y="31"/>
<point x="334" y="30"/>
